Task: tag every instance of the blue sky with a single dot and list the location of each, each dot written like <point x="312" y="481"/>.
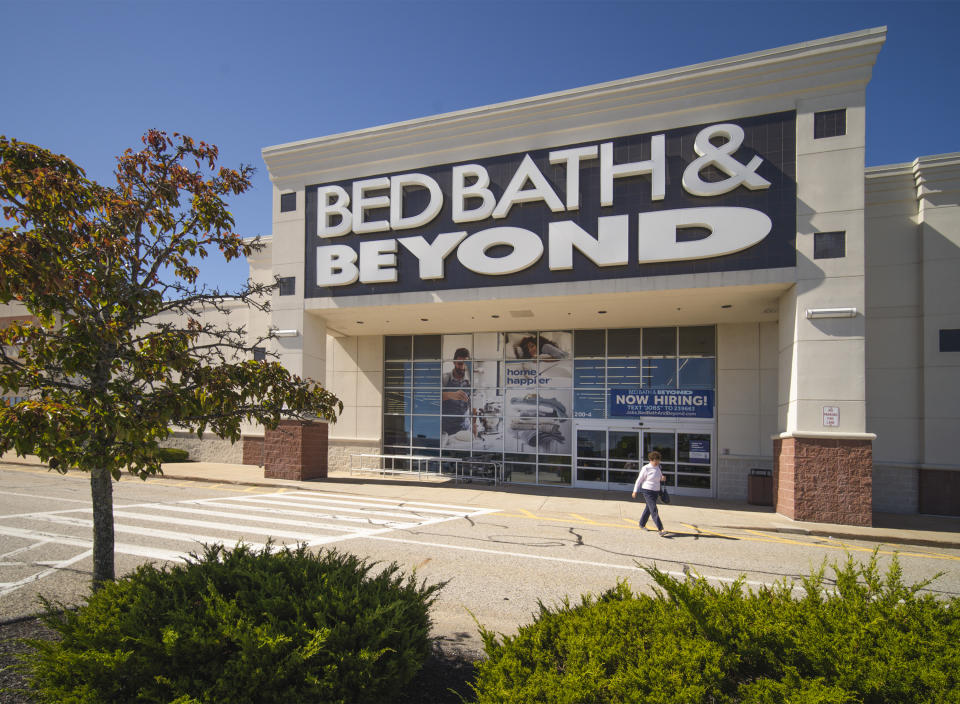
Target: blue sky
<point x="87" y="78"/>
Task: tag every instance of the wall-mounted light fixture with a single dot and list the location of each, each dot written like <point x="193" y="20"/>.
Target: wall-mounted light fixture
<point x="286" y="333"/>
<point x="831" y="313"/>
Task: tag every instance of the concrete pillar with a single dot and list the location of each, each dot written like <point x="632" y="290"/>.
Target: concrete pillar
<point x="823" y="460"/>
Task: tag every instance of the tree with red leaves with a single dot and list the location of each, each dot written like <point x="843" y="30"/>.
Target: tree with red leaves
<point x="122" y="344"/>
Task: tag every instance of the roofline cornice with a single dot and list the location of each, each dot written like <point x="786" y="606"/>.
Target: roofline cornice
<point x="849" y="57"/>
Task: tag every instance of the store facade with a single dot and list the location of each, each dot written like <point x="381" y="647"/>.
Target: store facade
<point x="675" y="261"/>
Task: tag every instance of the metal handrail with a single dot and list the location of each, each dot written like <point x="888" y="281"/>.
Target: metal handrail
<point x="457" y="468"/>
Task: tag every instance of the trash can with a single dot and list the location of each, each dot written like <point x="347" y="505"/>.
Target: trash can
<point x="760" y="487"/>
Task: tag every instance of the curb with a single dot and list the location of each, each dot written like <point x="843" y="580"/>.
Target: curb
<point x="890" y="540"/>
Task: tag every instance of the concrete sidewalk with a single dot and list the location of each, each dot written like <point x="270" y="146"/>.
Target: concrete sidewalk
<point x="587" y="505"/>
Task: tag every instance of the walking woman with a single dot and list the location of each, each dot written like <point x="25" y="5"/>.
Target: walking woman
<point x="648" y="483"/>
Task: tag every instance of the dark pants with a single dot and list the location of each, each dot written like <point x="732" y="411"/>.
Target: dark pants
<point x="651" y="496"/>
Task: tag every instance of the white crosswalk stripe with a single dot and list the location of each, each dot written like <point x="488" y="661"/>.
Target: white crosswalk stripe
<point x="170" y="531"/>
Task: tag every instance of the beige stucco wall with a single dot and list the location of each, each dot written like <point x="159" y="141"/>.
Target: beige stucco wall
<point x="747" y="358"/>
<point x="822" y="361"/>
<point x="938" y="186"/>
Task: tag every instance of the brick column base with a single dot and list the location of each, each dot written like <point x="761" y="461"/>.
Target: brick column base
<point x="253" y="450"/>
<point x="824" y="480"/>
<point x="295" y="450"/>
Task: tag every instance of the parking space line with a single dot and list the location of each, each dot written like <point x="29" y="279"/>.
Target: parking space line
<point x="13" y="586"/>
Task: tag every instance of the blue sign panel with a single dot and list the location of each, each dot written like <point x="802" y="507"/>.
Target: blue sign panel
<point x="664" y="403"/>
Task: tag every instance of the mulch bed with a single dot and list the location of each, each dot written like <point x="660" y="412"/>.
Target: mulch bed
<point x="444" y="671"/>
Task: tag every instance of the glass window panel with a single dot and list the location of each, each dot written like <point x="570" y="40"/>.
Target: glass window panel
<point x="426" y="401"/>
<point x="589" y="343"/>
<point x="555" y="344"/>
<point x="456" y="418"/>
<point x="426" y="431"/>
<point x="397" y="347"/>
<point x="556" y="374"/>
<point x="488" y="345"/>
<point x="591" y="443"/>
<point x="426" y="347"/>
<point x="659" y="342"/>
<point x="519" y="457"/>
<point x="521" y="345"/>
<point x="522" y="402"/>
<point x="396" y="401"/>
<point x="555" y="403"/>
<point x="393" y="450"/>
<point x="622" y="477"/>
<point x="669" y="480"/>
<point x="697" y="373"/>
<point x="488" y="375"/>
<point x="623" y="343"/>
<point x="589" y="372"/>
<point x="693" y="482"/>
<point x="624" y="446"/>
<point x="565" y="460"/>
<point x="662" y="443"/>
<point x="699" y="340"/>
<point x="693" y="447"/>
<point x="456" y="374"/>
<point x="521" y="374"/>
<point x="489" y="436"/>
<point x="589" y="404"/>
<point x="554" y="436"/>
<point x="391" y="463"/>
<point x="693" y="469"/>
<point x="520" y="433"/>
<point x="591" y="475"/>
<point x="553" y="474"/>
<point x="426" y="374"/>
<point x="520" y="473"/>
<point x="397" y="374"/>
<point x="396" y="430"/>
<point x="624" y="372"/>
<point x="660" y="373"/>
<point x="457" y="433"/>
<point x="457" y="343"/>
<point x="487" y="402"/>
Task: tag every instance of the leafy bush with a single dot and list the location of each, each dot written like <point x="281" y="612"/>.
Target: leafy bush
<point x="174" y="454"/>
<point x="869" y="640"/>
<point x="240" y="626"/>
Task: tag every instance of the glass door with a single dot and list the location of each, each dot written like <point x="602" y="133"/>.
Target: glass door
<point x="608" y="456"/>
<point x="590" y="463"/>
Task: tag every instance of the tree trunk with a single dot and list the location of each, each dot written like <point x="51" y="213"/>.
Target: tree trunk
<point x="101" y="491"/>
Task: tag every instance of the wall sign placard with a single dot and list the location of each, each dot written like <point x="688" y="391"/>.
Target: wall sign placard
<point x="702" y="198"/>
<point x="661" y="403"/>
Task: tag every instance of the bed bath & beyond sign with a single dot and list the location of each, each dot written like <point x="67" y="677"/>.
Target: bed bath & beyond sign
<point x="614" y="206"/>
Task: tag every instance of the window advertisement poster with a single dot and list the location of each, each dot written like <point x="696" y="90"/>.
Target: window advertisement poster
<point x="488" y="375"/>
<point x="488" y="420"/>
<point x="663" y="403"/>
<point x="699" y="449"/>
<point x="554" y="436"/>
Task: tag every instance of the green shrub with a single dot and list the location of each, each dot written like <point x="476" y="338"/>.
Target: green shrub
<point x="869" y="640"/>
<point x="240" y="626"/>
<point x="174" y="454"/>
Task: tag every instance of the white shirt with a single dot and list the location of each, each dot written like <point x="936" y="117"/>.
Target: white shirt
<point x="649" y="478"/>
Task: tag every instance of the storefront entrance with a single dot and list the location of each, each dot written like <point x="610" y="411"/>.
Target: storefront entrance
<point x="609" y="454"/>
